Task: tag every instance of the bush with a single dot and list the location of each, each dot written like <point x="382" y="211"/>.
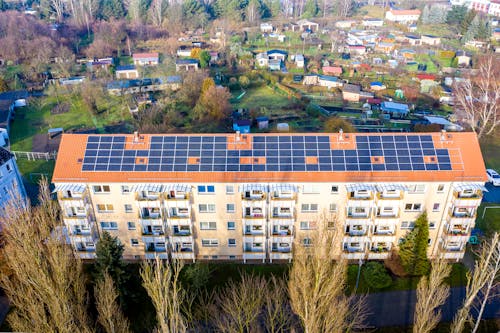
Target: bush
<point x="376" y="276"/>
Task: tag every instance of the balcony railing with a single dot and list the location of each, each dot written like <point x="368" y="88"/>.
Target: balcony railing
<point x="156" y="249"/>
<point x="355" y="196"/>
<point x="179" y="215"/>
<point x="85" y="249"/>
<point x="353" y="250"/>
<point x="255" y="232"/>
<point x="380" y="249"/>
<point x="387" y="216"/>
<point x="462" y="215"/>
<point x="282" y="249"/>
<point x="182" y="233"/>
<point x="149" y="215"/>
<point x="472" y="196"/>
<point x="283" y="215"/>
<point x="357" y="232"/>
<point x="358" y="216"/>
<point x="72" y="197"/>
<point x="259" y="196"/>
<point x="254" y="249"/>
<point x="282" y="232"/>
<point x="153" y="233"/>
<point x="75" y="215"/>
<point x="149" y="197"/>
<point x="81" y="233"/>
<point x="181" y="196"/>
<point x="254" y="216"/>
<point x="457" y="231"/>
<point x="387" y="196"/>
<point x="283" y="196"/>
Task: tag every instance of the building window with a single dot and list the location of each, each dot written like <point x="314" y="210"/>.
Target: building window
<point x="134" y="242"/>
<point x="330" y="224"/>
<point x="109" y="226"/>
<point x="407" y="225"/>
<point x="125" y="189"/>
<point x="128" y="208"/>
<point x="206" y="189"/>
<point x="307" y="225"/>
<point x="435" y="207"/>
<point x="231" y="242"/>
<point x="416" y="207"/>
<point x="230" y="208"/>
<point x="206" y="208"/>
<point x="419" y="188"/>
<point x="101" y="189"/>
<point x="429" y="242"/>
<point x="8" y="167"/>
<point x="105" y="208"/>
<point x="209" y="242"/>
<point x="208" y="225"/>
<point x="231" y="225"/>
<point x="310" y="189"/>
<point x="307" y="242"/>
<point x="440" y="188"/>
<point x="131" y="225"/>
<point x="229" y="189"/>
<point x="335" y="189"/>
<point x="309" y="208"/>
<point x="232" y="257"/>
<point x="333" y="208"/>
<point x="432" y="225"/>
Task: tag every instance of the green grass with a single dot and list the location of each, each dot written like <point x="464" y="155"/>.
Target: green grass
<point x="261" y="97"/>
<point x="490" y="146"/>
<point x="491" y="221"/>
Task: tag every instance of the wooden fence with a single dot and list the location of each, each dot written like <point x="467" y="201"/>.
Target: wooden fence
<point x="32" y="156"/>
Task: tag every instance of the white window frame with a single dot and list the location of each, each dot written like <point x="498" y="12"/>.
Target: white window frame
<point x="101" y="189"/>
<point x="208" y="208"/>
<point x="206" y="189"/>
<point x="233" y="227"/>
<point x="309" y="208"/>
<point x="126" y="208"/>
<point x="108" y="225"/>
<point x="134" y="242"/>
<point x="108" y="208"/>
<point x="229" y="189"/>
<point x="209" y="242"/>
<point x="131" y="225"/>
<point x="208" y="225"/>
<point x="231" y="242"/>
<point x="228" y="210"/>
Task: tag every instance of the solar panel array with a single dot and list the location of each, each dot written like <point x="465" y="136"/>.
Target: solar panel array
<point x="282" y="153"/>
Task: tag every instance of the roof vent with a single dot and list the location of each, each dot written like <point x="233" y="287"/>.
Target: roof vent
<point x="341" y="135"/>
<point x="237" y="136"/>
<point x="443" y="135"/>
<point x="136" y="137"/>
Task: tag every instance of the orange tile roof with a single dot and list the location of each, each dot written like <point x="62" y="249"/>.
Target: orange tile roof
<point x="145" y="55"/>
<point x="464" y="151"/>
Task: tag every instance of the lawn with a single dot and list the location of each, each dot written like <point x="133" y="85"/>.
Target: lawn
<point x="491" y="221"/>
<point x="490" y="147"/>
<point x="261" y="97"/>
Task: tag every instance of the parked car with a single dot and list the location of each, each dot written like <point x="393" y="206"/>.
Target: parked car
<point x="493" y="177"/>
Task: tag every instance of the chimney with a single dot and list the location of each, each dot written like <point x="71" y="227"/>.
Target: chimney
<point x="136" y="137"/>
<point x="443" y="135"/>
<point x="237" y="136"/>
<point x="341" y="135"/>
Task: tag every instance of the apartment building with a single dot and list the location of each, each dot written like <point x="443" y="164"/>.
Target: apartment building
<point x="11" y="184"/>
<point x="250" y="197"/>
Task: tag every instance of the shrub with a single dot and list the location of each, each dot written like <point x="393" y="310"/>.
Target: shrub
<point x="376" y="275"/>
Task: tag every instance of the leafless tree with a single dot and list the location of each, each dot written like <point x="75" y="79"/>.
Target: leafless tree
<point x="110" y="315"/>
<point x="344" y="7"/>
<point x="157" y="12"/>
<point x="46" y="286"/>
<point x="478" y="97"/>
<point x="59" y="8"/>
<point x="432" y="292"/>
<point x="134" y="10"/>
<point x="239" y="304"/>
<point x="480" y="284"/>
<point x="278" y="316"/>
<point x="162" y="284"/>
<point x="317" y="286"/>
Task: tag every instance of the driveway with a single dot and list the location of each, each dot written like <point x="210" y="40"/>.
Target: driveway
<point x="395" y="308"/>
<point x="493" y="194"/>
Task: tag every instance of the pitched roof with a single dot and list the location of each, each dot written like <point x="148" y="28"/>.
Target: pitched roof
<point x="405" y="11"/>
<point x="145" y="55"/>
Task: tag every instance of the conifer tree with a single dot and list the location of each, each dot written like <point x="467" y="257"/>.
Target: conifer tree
<point x="413" y="249"/>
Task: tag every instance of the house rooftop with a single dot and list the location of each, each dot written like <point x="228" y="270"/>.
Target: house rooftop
<point x="188" y="61"/>
<point x="145" y="55"/>
<point x="277" y="51"/>
<point x="125" y="68"/>
<point x="405" y="11"/>
<point x="278" y="157"/>
<point x="352" y="88"/>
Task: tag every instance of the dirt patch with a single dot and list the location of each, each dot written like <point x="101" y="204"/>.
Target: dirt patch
<point x="42" y="143"/>
<point x="60" y="108"/>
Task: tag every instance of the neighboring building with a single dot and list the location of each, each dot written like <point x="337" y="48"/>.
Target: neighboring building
<point x="146" y="59"/>
<point x="125" y="87"/>
<point x="481" y="6"/>
<point x="350" y="92"/>
<point x="377" y="86"/>
<point x="262" y="59"/>
<point x="242" y="125"/>
<point x="266" y="27"/>
<point x="243" y="197"/>
<point x="274" y="64"/>
<point x="277" y="55"/>
<point x="430" y="40"/>
<point x="329" y="81"/>
<point x="99" y="64"/>
<point x="345" y="24"/>
<point x="372" y="22"/>
<point x="463" y="59"/>
<point x="403" y="16"/>
<point x="396" y="110"/>
<point x="186" y="65"/>
<point x="494" y="9"/>
<point x="11" y="184"/>
<point x="299" y="61"/>
<point x="332" y="70"/>
<point x="306" y="25"/>
<point x="413" y="40"/>
<point x="356" y="49"/>
<point x="184" y="51"/>
<point x="126" y="72"/>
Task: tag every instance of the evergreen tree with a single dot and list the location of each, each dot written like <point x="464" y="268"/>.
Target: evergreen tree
<point x="111" y="8"/>
<point x="483" y="30"/>
<point x="109" y="253"/>
<point x="204" y="58"/>
<point x="425" y="15"/>
<point x="466" y="22"/>
<point x="310" y="9"/>
<point x="413" y="249"/>
<point x="456" y="15"/>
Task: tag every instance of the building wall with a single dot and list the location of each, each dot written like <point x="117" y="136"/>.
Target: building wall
<point x="11" y="185"/>
<point x="274" y="223"/>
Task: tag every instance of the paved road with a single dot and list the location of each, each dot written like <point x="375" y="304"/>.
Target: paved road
<point x="395" y="308"/>
<point x="493" y="194"/>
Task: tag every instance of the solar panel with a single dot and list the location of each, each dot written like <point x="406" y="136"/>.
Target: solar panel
<point x="272" y="153"/>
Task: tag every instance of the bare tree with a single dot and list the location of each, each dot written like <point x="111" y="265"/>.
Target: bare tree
<point x="157" y="12"/>
<point x="317" y="285"/>
<point x="432" y="292"/>
<point x="162" y="284"/>
<point x="344" y="7"/>
<point x="278" y="316"/>
<point x="110" y="315"/>
<point x="239" y="304"/>
<point x="59" y="7"/>
<point x="482" y="281"/>
<point x="478" y="97"/>
<point x="46" y="286"/>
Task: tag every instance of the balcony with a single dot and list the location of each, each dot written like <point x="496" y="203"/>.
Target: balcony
<point x="253" y="215"/>
<point x="282" y="232"/>
<point x="153" y="248"/>
<point x="74" y="196"/>
<point x="150" y="196"/>
<point x="72" y="215"/>
<point x="390" y="196"/>
<point x="473" y="199"/>
<point x="253" y="196"/>
<point x="469" y="214"/>
<point x="280" y="255"/>
<point x="183" y="255"/>
<point x="181" y="231"/>
<point x="153" y="232"/>
<point x="356" y="230"/>
<point x="179" y="213"/>
<point x="379" y="255"/>
<point x="254" y="231"/>
<point x="283" y="213"/>
<point x="177" y="196"/>
<point x="364" y="196"/>
<point x="283" y="196"/>
<point x="81" y="232"/>
<point x="148" y="214"/>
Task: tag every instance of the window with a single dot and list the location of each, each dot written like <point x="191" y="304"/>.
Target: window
<point x="209" y="242"/>
<point x="8" y="167"/>
<point x="109" y="226"/>
<point x="208" y="225"/>
<point x="440" y="188"/>
<point x="413" y="207"/>
<point x="435" y="207"/>
<point x="231" y="225"/>
<point x="432" y="225"/>
<point x="125" y="189"/>
<point x="407" y="225"/>
<point x="330" y="224"/>
<point x="333" y="208"/>
<point x="230" y="208"/>
<point x="231" y="242"/>
<point x="205" y="189"/>
<point x="310" y="189"/>
<point x="131" y="225"/>
<point x="128" y="208"/>
<point x="134" y="242"/>
<point x="420" y="188"/>
<point x="206" y="208"/>
<point x="335" y="189"/>
<point x="307" y="242"/>
<point x="429" y="242"/>
<point x="101" y="188"/>
<point x="232" y="257"/>
<point x="104" y="208"/>
<point x="309" y="207"/>
<point x="229" y="189"/>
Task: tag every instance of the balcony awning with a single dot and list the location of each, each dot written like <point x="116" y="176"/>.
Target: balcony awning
<point x="360" y="187"/>
<point x="391" y="187"/>
<point x="177" y="187"/>
<point x="75" y="188"/>
<point x="469" y="186"/>
<point x="146" y="187"/>
<point x="383" y="239"/>
<point x="253" y="187"/>
<point x="283" y="188"/>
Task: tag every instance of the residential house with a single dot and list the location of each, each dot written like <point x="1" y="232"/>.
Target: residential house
<point x="299" y="61"/>
<point x="430" y="40"/>
<point x="402" y="16"/>
<point x="356" y="49"/>
<point x="384" y="47"/>
<point x="412" y="27"/>
<point x="262" y="59"/>
<point x="408" y="54"/>
<point x="146" y="85"/>
<point x="146" y="59"/>
<point x="262" y="122"/>
<point x="481" y="6"/>
<point x="494" y="9"/>
<point x="345" y="24"/>
<point x="71" y="81"/>
<point x="396" y="110"/>
<point x="329" y="81"/>
<point x="310" y="80"/>
<point x="184" y="51"/>
<point x="99" y="64"/>
<point x="308" y="26"/>
<point x="242" y="125"/>
<point x="350" y="92"/>
<point x="266" y="27"/>
<point x="11" y="182"/>
<point x="464" y="59"/>
<point x="332" y="70"/>
<point x="126" y="72"/>
<point x="277" y="55"/>
<point x="413" y="40"/>
<point x="444" y="123"/>
<point x="189" y="64"/>
<point x="372" y="22"/>
<point x="377" y="86"/>
<point x="274" y="64"/>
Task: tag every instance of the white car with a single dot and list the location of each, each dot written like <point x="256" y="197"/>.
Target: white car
<point x="493" y="177"/>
